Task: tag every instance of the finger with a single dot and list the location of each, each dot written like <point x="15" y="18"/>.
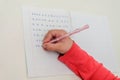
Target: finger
<point x="53" y="34"/>
<point x="49" y="46"/>
<point x="47" y="38"/>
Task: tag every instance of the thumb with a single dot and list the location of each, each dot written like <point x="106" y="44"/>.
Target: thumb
<point x="50" y="46"/>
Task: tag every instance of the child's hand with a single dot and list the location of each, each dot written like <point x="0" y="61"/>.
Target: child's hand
<point x="61" y="46"/>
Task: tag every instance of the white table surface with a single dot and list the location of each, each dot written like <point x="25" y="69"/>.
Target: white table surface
<point x="12" y="55"/>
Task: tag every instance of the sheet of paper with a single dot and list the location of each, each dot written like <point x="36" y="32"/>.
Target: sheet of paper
<point x="96" y="40"/>
<point x="36" y="24"/>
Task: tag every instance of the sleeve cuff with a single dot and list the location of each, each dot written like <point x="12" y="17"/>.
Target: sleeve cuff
<point x="68" y="54"/>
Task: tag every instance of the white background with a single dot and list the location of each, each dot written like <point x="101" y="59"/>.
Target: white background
<point x="12" y="55"/>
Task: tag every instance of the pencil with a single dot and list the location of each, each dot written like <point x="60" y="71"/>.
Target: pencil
<point x="70" y="33"/>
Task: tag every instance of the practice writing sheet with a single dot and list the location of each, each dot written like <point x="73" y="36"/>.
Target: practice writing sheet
<point x="36" y="25"/>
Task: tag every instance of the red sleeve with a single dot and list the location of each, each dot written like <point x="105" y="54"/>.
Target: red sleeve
<point x="85" y="66"/>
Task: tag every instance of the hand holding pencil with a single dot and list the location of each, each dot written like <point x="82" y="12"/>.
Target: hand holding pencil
<point x="59" y="40"/>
